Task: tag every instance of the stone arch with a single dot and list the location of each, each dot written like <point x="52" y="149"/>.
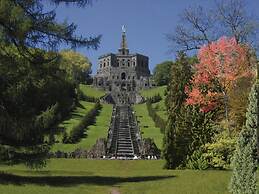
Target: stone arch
<point x="123" y="75"/>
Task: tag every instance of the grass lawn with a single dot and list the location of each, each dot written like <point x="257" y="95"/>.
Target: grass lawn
<point x="98" y="130"/>
<point x="161" y="109"/>
<point x="153" y="91"/>
<point x="90" y="91"/>
<point x="159" y="106"/>
<point x="147" y="125"/>
<point x="81" y="176"/>
<point x="75" y="118"/>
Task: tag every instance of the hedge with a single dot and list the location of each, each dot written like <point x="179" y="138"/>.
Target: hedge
<point x="159" y="122"/>
<point x="78" y="131"/>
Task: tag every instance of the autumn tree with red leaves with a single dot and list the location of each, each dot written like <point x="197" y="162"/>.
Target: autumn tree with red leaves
<point x="221" y="64"/>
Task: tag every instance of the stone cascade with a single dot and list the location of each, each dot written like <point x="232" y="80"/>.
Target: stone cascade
<point x="123" y="138"/>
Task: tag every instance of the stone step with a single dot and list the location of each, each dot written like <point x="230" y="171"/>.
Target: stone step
<point x="123" y="143"/>
<point x="123" y="149"/>
<point x="125" y="152"/>
<point x="129" y="143"/>
<point x="124" y="135"/>
<point x="124" y="146"/>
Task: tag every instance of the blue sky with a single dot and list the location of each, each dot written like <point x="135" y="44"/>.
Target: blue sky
<point x="146" y="21"/>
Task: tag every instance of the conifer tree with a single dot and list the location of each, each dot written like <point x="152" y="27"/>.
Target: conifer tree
<point x="243" y="180"/>
<point x="34" y="90"/>
<point x="180" y="76"/>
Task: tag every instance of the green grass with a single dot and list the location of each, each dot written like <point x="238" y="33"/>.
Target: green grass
<point x="147" y="125"/>
<point x="161" y="109"/>
<point x="90" y="91"/>
<point x="98" y="130"/>
<point x="75" y="118"/>
<point x="70" y="176"/>
<point x="159" y="106"/>
<point x="153" y="91"/>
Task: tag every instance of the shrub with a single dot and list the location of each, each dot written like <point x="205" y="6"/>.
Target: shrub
<point x="197" y="161"/>
<point x="220" y="152"/>
<point x="154" y="99"/>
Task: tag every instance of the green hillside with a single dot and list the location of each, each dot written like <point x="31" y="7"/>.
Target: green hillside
<point x="147" y="125"/>
<point x="75" y="118"/>
<point x="93" y="132"/>
<point x="90" y="91"/>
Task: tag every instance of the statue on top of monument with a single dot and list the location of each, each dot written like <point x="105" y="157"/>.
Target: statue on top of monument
<point x="123" y="28"/>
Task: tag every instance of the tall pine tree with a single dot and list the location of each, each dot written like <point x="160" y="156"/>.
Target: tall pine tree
<point x="243" y="180"/>
<point x="180" y="76"/>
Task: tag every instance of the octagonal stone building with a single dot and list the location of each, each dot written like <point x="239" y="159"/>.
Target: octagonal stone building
<point x="123" y="74"/>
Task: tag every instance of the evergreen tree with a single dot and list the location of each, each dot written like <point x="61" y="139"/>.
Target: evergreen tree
<point x="180" y="77"/>
<point x="243" y="180"/>
<point x="34" y="91"/>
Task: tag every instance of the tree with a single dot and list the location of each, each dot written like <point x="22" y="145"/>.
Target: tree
<point x="200" y="25"/>
<point x="243" y="180"/>
<point x="77" y="66"/>
<point x="26" y="25"/>
<point x="161" y="73"/>
<point x="35" y="93"/>
<point x="221" y="64"/>
<point x="180" y="77"/>
<point x="238" y="102"/>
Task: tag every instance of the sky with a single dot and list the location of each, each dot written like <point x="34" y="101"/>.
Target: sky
<point x="147" y="23"/>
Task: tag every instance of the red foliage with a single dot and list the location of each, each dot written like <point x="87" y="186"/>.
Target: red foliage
<point x="221" y="63"/>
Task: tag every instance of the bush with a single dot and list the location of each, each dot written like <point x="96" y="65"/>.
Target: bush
<point x="154" y="99"/>
<point x="220" y="152"/>
<point x="197" y="161"/>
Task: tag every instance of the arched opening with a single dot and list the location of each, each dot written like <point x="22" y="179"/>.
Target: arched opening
<point x="123" y="75"/>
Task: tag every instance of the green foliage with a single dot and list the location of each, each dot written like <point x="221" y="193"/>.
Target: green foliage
<point x="26" y="25"/>
<point x="33" y="100"/>
<point x="243" y="180"/>
<point x="78" y="131"/>
<point x="219" y="153"/>
<point x="31" y="156"/>
<point x="76" y="66"/>
<point x="180" y="76"/>
<point x="47" y="118"/>
<point x="161" y="73"/>
<point x="238" y="102"/>
<point x="35" y="93"/>
<point x="154" y="99"/>
<point x="94" y="131"/>
<point x="159" y="122"/>
<point x="158" y="106"/>
<point x="197" y="161"/>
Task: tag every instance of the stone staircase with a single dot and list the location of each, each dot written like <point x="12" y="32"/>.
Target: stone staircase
<point x="123" y="137"/>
